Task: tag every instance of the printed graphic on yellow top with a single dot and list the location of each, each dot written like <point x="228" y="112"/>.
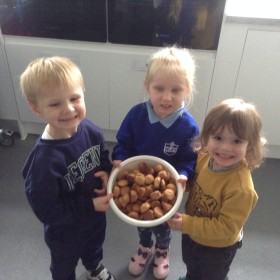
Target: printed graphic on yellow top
<point x="200" y="203"/>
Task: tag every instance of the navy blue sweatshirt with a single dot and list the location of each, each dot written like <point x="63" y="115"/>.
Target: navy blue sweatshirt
<point x="59" y="176"/>
<point x="142" y="133"/>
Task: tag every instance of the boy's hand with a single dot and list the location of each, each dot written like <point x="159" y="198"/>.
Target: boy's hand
<point x="175" y="223"/>
<point x="104" y="178"/>
<point x="116" y="163"/>
<point x="101" y="204"/>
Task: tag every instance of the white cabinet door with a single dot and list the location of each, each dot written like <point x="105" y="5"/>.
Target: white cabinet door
<point x="126" y="84"/>
<point x="205" y="63"/>
<point x="93" y="65"/>
<point x="8" y="107"/>
<point x="259" y="79"/>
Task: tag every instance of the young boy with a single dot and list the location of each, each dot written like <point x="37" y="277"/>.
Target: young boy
<point x="67" y="171"/>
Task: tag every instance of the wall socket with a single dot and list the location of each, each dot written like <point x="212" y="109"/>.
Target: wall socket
<point x="139" y="65"/>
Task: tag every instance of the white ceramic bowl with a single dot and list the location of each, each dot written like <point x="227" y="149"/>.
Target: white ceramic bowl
<point x="132" y="163"/>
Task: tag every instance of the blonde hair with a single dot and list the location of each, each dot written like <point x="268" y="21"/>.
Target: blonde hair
<point x="244" y="120"/>
<point x="49" y="72"/>
<point x="173" y="61"/>
<point x="175" y="10"/>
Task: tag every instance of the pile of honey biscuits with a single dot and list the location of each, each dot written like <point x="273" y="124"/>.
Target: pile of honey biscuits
<point x="146" y="192"/>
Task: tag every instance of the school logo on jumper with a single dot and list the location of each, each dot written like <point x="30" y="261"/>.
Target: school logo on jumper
<point x="170" y="148"/>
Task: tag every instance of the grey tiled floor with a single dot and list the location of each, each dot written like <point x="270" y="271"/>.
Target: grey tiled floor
<point x="24" y="255"/>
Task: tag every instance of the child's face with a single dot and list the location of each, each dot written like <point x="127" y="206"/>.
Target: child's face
<point x="167" y="94"/>
<point x="226" y="148"/>
<point x="62" y="108"/>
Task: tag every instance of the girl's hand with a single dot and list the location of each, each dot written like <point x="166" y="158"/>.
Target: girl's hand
<point x="104" y="178"/>
<point x="175" y="223"/>
<point x="183" y="180"/>
<point x="101" y="204"/>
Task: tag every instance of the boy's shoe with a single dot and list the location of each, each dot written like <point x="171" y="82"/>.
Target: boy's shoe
<point x="139" y="261"/>
<point x="161" y="263"/>
<point x="100" y="273"/>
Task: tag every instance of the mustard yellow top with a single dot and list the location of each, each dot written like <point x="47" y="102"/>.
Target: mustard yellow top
<point x="219" y="204"/>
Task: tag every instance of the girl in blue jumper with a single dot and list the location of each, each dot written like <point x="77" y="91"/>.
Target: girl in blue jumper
<point x="161" y="127"/>
<point x="66" y="173"/>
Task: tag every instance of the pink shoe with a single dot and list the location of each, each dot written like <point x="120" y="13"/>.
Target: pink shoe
<point x="139" y="261"/>
<point x="161" y="264"/>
